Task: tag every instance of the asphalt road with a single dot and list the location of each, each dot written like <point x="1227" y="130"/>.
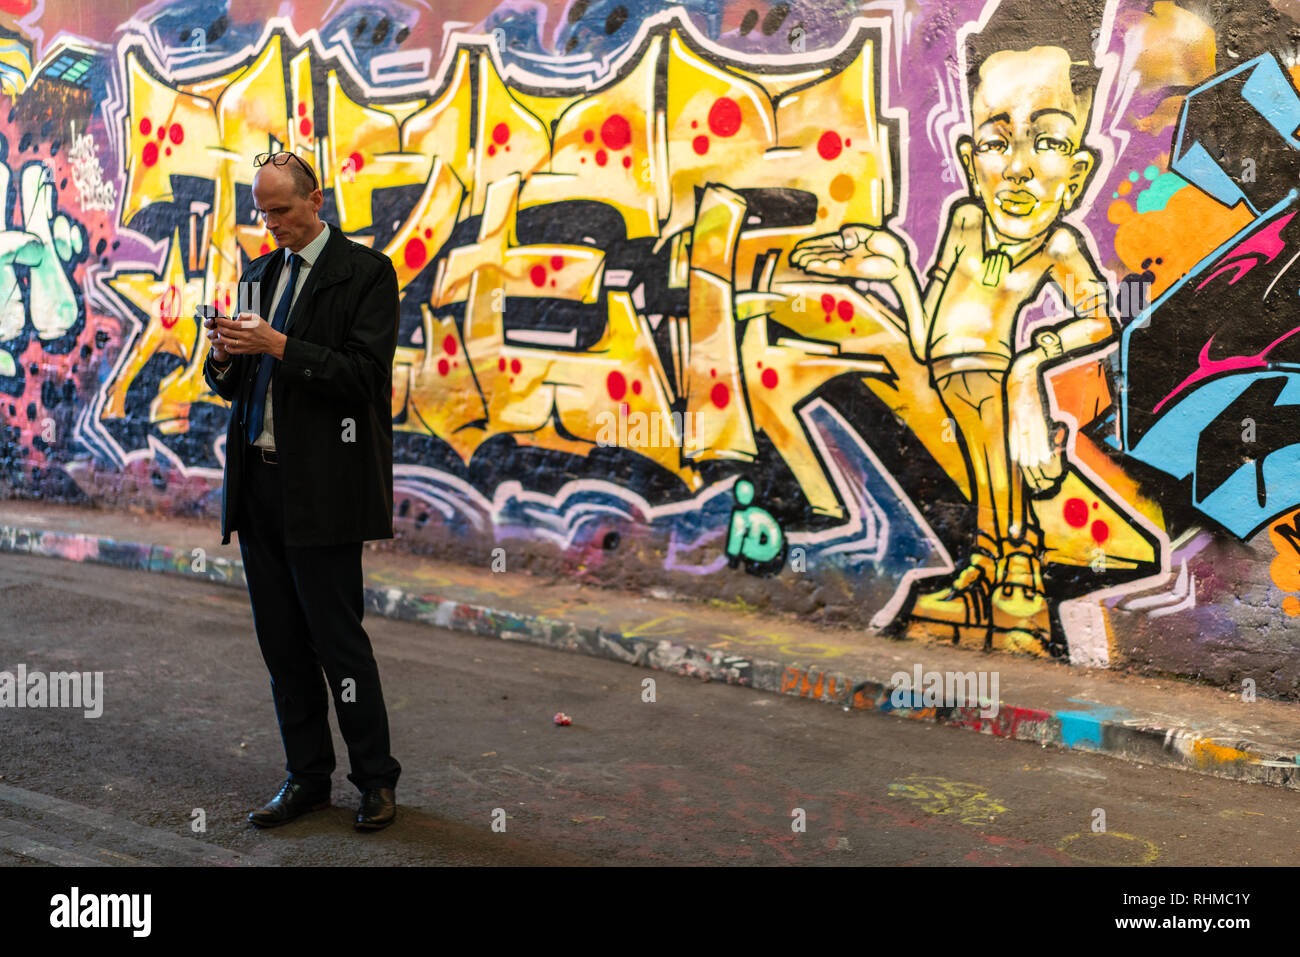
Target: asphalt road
<point x="704" y="774"/>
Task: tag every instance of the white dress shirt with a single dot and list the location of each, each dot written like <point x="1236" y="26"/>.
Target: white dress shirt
<point x="309" y="253"/>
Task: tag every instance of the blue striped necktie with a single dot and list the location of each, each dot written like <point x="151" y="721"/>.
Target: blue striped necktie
<point x="266" y="363"/>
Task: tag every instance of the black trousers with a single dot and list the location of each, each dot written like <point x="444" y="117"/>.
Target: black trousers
<point x="307" y="609"/>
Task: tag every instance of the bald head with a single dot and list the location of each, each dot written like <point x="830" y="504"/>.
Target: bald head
<point x="297" y="174"/>
<point x="288" y="204"/>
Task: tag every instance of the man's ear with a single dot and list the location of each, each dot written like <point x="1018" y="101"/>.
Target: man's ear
<point x="1082" y="165"/>
<point x="966" y="151"/>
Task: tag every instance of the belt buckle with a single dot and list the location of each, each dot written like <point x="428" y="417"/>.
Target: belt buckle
<point x="268" y="455"/>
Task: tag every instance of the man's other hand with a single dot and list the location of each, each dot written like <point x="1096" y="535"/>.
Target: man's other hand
<point x="250" y="334"/>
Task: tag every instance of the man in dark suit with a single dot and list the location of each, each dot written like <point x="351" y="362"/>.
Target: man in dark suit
<point x="309" y="477"/>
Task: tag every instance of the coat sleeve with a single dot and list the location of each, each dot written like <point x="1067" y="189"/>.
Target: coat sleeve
<point x="362" y="368"/>
<point x="224" y="384"/>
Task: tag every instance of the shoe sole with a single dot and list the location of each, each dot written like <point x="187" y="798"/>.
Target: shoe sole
<point x="374" y="827"/>
<point x="315" y="807"/>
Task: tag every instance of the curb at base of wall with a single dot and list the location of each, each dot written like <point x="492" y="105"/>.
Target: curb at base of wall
<point x="1144" y="743"/>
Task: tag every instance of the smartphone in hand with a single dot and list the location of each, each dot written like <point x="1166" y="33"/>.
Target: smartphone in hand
<point x="207" y="314"/>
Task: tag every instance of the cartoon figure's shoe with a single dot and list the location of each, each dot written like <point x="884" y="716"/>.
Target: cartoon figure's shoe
<point x="1021" y="643"/>
<point x="965" y="602"/>
<point x="1019" y="605"/>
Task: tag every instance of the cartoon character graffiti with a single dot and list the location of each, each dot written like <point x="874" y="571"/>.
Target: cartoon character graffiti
<point x="1026" y="165"/>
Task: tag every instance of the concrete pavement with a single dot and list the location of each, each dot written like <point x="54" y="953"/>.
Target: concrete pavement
<point x="1152" y="721"/>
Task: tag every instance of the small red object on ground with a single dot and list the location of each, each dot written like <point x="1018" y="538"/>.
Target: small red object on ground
<point x="562" y="718"/>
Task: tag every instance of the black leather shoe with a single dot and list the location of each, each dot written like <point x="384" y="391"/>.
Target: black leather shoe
<point x="293" y="801"/>
<point x="378" y="809"/>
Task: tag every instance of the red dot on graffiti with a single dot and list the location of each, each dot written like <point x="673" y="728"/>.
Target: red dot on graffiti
<point x="616" y="132"/>
<point x="150" y="155"/>
<point x="357" y="162"/>
<point x="1076" y="512"/>
<point x="627" y="162"/>
<point x="167" y="311"/>
<point x="145" y="126"/>
<point x="162" y="132"/>
<point x="845" y="310"/>
<point x="720" y="395"/>
<point x="501" y="134"/>
<point x="769" y="378"/>
<point x="538" y="275"/>
<point x="443" y="367"/>
<point x="304" y="127"/>
<point x="713" y="373"/>
<point x="636" y="386"/>
<point x="852" y="329"/>
<point x="515" y="366"/>
<point x="828" y="302"/>
<point x="492" y="150"/>
<point x="557" y="262"/>
<point x="414" y="254"/>
<point x="428" y="234"/>
<point x="724" y="116"/>
<point x="169" y="151"/>
<point x="601" y="157"/>
<point x="700" y="144"/>
<point x="302" y="109"/>
<point x="582" y="159"/>
<point x="501" y="365"/>
<point x="828" y="318"/>
<point x="829" y="146"/>
<point x="266" y="248"/>
<point x="760" y="365"/>
<point x="616" y="385"/>
<point x="1094" y="504"/>
<point x="177" y="134"/>
<point x="694" y="123"/>
<point x="449" y="345"/>
<point x="588" y="136"/>
<point x="848" y="142"/>
<point x="1100" y="531"/>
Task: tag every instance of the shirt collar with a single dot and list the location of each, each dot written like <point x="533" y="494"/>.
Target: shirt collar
<point x="311" y="251"/>
<point x="1016" y="252"/>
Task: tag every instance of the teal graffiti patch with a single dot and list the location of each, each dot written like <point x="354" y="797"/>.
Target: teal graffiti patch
<point x="1083" y="729"/>
<point x="1154" y="197"/>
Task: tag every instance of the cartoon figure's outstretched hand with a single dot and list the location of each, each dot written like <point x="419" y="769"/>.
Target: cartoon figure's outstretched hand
<point x="855" y="252"/>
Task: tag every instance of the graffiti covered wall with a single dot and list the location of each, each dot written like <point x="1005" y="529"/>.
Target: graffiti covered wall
<point x="971" y="321"/>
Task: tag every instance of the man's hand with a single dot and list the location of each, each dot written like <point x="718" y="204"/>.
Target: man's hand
<point x="218" y="353"/>
<point x="855" y="252"/>
<point x="250" y="334"/>
<point x="1036" y="445"/>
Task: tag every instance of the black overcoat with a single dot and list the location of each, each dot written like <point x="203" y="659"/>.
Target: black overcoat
<point x="331" y="398"/>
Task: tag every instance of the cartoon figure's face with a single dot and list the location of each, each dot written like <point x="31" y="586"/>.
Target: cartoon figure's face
<point x="1025" y="160"/>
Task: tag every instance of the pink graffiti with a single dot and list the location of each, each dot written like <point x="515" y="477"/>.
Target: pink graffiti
<point x="1207" y="367"/>
<point x="1268" y="242"/>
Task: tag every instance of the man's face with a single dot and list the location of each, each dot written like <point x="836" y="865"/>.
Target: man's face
<point x="1025" y="160"/>
<point x="291" y="218"/>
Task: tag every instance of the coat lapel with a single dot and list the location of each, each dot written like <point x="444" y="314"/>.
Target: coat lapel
<point x="330" y="267"/>
<point x="266" y="270"/>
